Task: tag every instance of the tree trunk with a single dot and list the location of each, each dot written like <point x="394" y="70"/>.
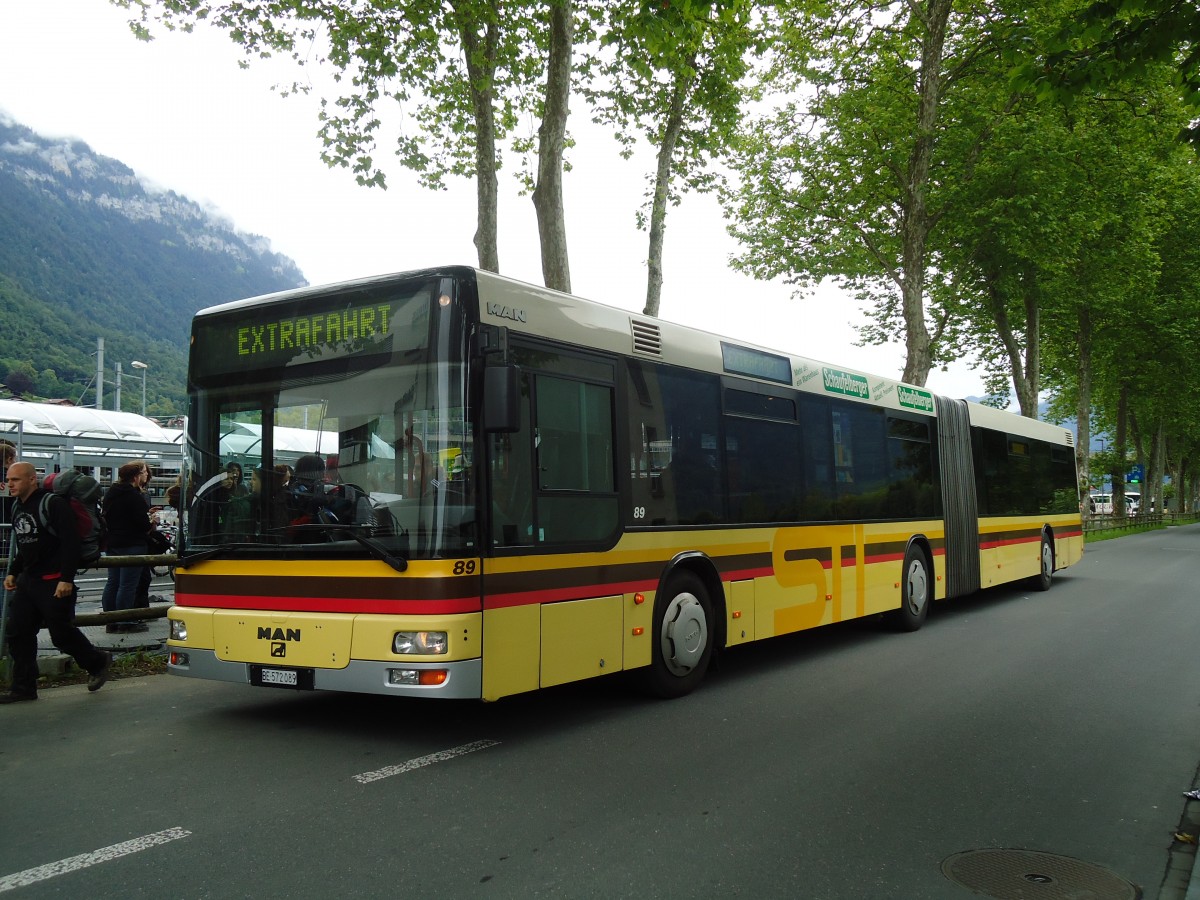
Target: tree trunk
<point x="915" y="218"/>
<point x="481" y="69"/>
<point x="552" y="135"/>
<point x="1152" y="490"/>
<point x="1118" y="472"/>
<point x="998" y="302"/>
<point x="1027" y="386"/>
<point x="1083" y="409"/>
<point x="662" y="187"/>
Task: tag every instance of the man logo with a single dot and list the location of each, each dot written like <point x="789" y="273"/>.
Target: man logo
<point x="278" y="634"/>
<point x="279" y="649"/>
<point x="506" y="312"/>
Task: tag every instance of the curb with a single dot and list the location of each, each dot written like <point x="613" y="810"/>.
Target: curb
<point x="54" y="665"/>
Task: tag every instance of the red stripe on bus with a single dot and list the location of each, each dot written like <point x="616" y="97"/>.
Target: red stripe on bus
<point x="744" y="574"/>
<point x="1009" y="542"/>
<point x="584" y="592"/>
<point x="883" y="558"/>
<point x="556" y="595"/>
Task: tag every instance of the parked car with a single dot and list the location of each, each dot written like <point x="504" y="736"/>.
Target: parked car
<point x="1102" y="504"/>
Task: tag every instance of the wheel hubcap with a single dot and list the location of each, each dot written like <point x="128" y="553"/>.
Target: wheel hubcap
<point x="684" y="634"/>
<point x="918" y="587"/>
<point x="1047" y="559"/>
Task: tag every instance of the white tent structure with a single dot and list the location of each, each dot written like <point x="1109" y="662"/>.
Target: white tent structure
<point x="54" y="438"/>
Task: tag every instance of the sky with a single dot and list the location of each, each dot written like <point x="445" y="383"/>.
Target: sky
<point x="184" y="116"/>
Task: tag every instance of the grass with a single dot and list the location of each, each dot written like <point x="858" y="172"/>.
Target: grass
<point x="125" y="665"/>
<point x="1108" y="534"/>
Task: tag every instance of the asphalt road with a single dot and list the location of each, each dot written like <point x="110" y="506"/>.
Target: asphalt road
<point x="849" y="762"/>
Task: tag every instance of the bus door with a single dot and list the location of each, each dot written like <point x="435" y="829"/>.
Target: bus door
<point x="554" y="481"/>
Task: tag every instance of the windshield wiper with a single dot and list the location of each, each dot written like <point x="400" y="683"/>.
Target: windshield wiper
<point x="399" y="563"/>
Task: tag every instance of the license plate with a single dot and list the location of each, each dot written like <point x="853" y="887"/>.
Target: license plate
<point x="265" y="676"/>
<point x="285" y="677"/>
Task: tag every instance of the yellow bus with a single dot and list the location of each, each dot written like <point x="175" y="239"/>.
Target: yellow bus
<point x="496" y="487"/>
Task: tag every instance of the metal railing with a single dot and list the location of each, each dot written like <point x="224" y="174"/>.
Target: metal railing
<point x="139" y="614"/>
<point x="1104" y="524"/>
<point x="85" y="585"/>
<point x="166" y="560"/>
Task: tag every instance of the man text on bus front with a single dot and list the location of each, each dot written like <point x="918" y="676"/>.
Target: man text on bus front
<point x="42" y="579"/>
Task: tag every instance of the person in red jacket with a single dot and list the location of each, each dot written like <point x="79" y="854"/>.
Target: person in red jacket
<point x="41" y="578"/>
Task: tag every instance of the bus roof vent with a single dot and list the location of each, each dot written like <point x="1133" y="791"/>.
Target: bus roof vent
<point x="646" y="338"/>
<point x="1070" y="439"/>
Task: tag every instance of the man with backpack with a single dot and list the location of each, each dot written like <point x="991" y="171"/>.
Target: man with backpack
<point x="42" y="579"/>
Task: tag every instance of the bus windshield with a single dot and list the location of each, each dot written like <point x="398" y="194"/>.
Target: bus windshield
<point x="351" y="444"/>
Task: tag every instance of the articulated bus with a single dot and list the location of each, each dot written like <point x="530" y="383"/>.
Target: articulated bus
<point x="463" y="486"/>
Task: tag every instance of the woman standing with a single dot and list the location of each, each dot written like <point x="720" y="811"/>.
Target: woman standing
<point x="128" y="520"/>
<point x="237" y="518"/>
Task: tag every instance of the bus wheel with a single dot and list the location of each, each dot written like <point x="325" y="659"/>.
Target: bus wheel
<point x="916" y="592"/>
<point x="682" y="637"/>
<point x="1041" y="581"/>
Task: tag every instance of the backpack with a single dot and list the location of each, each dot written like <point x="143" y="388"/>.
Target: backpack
<point x="83" y="493"/>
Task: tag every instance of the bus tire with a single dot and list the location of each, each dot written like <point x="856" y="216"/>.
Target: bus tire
<point x="1042" y="580"/>
<point x="916" y="592"/>
<point x="683" y="635"/>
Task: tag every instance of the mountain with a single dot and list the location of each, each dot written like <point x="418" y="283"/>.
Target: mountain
<point x="87" y="251"/>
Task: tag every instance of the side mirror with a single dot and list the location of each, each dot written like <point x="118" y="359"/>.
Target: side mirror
<point x="501" y="399"/>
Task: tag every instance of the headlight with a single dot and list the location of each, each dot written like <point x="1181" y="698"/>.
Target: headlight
<point x="178" y="630"/>
<point x="420" y="642"/>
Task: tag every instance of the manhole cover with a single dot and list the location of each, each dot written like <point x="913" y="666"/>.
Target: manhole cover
<point x="1029" y="875"/>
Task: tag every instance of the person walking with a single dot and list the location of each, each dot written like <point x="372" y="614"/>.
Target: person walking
<point x="128" y="520"/>
<point x="41" y="578"/>
<point x="142" y="601"/>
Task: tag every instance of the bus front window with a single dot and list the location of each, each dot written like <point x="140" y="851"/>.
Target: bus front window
<point x="366" y="454"/>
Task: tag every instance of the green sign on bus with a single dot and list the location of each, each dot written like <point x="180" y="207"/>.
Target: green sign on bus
<point x="846" y="383"/>
<point x="914" y="399"/>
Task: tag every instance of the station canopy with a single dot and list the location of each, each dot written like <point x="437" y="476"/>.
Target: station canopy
<point x="80" y="421"/>
<point x="69" y="436"/>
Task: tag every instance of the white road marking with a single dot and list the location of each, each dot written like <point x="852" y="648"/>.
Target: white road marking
<point x="389" y="771"/>
<point x="74" y="863"/>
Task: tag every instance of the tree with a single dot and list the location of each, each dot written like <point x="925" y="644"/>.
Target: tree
<point x="458" y="73"/>
<point x="552" y="137"/>
<point x="1096" y="44"/>
<point x="21" y="378"/>
<point x="673" y="72"/>
<point x="1053" y="233"/>
<point x="842" y="180"/>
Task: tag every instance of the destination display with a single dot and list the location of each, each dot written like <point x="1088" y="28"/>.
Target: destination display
<point x="755" y="363"/>
<point x="303" y="332"/>
<point x="260" y="337"/>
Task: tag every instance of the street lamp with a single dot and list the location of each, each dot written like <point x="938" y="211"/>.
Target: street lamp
<point x="143" y="366"/>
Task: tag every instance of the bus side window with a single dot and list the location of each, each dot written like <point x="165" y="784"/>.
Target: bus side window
<point x="676" y="458"/>
<point x="577" y="499"/>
